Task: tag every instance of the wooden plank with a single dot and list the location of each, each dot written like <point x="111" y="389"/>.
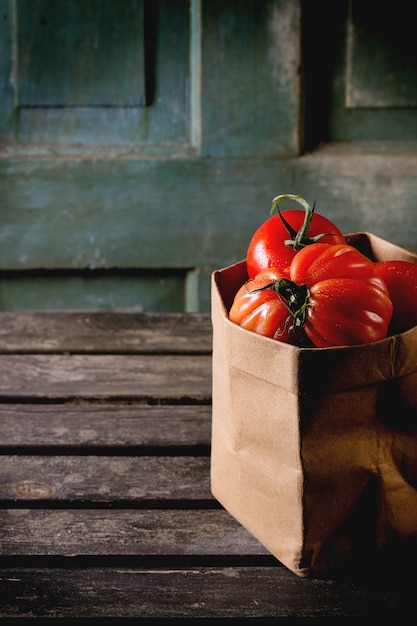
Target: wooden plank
<point x="161" y="291"/>
<point x="106" y="528"/>
<point x="160" y="532"/>
<point x="104" y="332"/>
<point x="207" y="592"/>
<point x="148" y="377"/>
<point x="60" y="214"/>
<point x="104" y="479"/>
<point x="99" y="425"/>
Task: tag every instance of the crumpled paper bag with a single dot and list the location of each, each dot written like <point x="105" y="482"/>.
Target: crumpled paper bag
<point x="314" y="450"/>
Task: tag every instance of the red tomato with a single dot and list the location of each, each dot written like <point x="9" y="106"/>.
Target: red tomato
<point x="401" y="279"/>
<point x="278" y="239"/>
<point x="348" y="303"/>
<point x="322" y="260"/>
<point x="347" y="311"/>
<point x="259" y="309"/>
<point x="334" y="298"/>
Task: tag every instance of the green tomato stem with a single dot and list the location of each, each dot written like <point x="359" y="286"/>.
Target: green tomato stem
<point x="299" y="239"/>
<point x="294" y="297"/>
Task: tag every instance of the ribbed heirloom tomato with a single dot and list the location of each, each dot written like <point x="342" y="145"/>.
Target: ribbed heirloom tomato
<point x="401" y="280"/>
<point x="321" y="260"/>
<point x="332" y="296"/>
<point x="347" y="303"/>
<point x="259" y="308"/>
<point x="279" y="238"/>
<point x="347" y="311"/>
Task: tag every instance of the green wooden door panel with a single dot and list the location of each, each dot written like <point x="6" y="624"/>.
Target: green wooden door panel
<point x="94" y="73"/>
<point x="132" y="213"/>
<point x="381" y="57"/>
<point x="126" y="188"/>
<point x="237" y="64"/>
<point x="219" y="203"/>
<point x="93" y="290"/>
<point x="85" y="53"/>
<point x="7" y="79"/>
<point x="361" y="83"/>
<point x="250" y="79"/>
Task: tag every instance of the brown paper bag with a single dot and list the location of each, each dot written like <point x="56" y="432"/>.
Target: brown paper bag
<point x="314" y="450"/>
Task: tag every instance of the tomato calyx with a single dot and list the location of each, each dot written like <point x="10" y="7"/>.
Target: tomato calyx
<point x="294" y="297"/>
<point x="299" y="239"/>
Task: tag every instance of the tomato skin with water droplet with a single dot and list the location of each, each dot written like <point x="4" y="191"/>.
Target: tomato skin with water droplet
<point x="267" y="247"/>
<point x="330" y="295"/>
<point x="261" y="311"/>
<point x="348" y="311"/>
<point x="401" y="280"/>
<point x="349" y="303"/>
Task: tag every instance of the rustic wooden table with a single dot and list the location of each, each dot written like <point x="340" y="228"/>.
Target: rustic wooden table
<point x="106" y="508"/>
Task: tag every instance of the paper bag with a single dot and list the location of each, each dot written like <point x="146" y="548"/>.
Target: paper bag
<point x="314" y="450"/>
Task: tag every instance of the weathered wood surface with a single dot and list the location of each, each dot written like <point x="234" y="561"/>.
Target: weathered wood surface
<point x="104" y="425"/>
<point x="211" y="591"/>
<point x="103" y="478"/>
<point x="70" y="533"/>
<point x="151" y="377"/>
<point x="102" y="332"/>
<point x="105" y="502"/>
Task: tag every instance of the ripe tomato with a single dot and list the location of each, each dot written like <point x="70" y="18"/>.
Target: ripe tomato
<point x="347" y="311"/>
<point x="322" y="260"/>
<point x="259" y="308"/>
<point x="334" y="298"/>
<point x="401" y="279"/>
<point x="277" y="240"/>
<point x="348" y="303"/>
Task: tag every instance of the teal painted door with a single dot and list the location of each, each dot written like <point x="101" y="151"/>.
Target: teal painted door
<point x="142" y="141"/>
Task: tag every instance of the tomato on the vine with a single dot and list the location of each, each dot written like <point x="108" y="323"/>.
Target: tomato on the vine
<point x="260" y="309"/>
<point x="279" y="238"/>
<point x="347" y="303"/>
<point x="347" y="311"/>
<point x="322" y="260"/>
<point x="401" y="280"/>
<point x="333" y="296"/>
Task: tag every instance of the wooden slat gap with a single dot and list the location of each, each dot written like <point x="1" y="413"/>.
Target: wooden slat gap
<point x="107" y="450"/>
<point x="120" y="400"/>
<point x="140" y="562"/>
<point x="153" y="504"/>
